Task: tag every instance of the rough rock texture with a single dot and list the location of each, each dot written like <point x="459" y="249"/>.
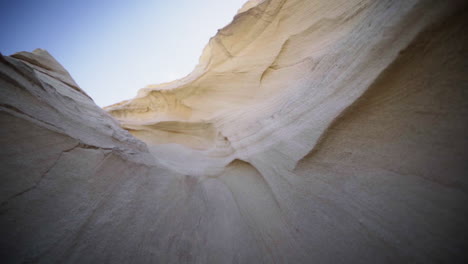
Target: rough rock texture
<point x="312" y="131"/>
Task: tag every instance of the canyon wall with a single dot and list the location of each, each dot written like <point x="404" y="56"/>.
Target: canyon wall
<point x="310" y="132"/>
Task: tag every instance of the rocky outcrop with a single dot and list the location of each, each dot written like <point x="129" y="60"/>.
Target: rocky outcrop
<point x="310" y="132"/>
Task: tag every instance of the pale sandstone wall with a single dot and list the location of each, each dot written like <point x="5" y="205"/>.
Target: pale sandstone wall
<point x="310" y="132"/>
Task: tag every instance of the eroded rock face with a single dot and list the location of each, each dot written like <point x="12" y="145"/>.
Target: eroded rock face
<point x="310" y="132"/>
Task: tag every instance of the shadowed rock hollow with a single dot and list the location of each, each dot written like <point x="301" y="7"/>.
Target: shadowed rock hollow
<point x="311" y="131"/>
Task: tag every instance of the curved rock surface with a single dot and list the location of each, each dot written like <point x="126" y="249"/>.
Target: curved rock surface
<point x="310" y="132"/>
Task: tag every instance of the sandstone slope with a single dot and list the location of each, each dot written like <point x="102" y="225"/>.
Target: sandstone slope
<point x="310" y="132"/>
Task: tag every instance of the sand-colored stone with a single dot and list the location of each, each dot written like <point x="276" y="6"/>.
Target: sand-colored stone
<point x="310" y="132"/>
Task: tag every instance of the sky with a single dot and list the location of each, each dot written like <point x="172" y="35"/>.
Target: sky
<point x="112" y="48"/>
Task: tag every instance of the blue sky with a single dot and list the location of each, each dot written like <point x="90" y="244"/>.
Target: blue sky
<point x="112" y="48"/>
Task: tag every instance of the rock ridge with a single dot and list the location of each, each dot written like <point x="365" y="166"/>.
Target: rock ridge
<point x="310" y="132"/>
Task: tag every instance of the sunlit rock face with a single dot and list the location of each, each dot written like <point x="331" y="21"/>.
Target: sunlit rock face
<point x="311" y="131"/>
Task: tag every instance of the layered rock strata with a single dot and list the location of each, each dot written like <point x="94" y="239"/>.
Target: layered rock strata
<point x="310" y="132"/>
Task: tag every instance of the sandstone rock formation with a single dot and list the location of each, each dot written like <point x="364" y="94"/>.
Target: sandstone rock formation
<point x="311" y="131"/>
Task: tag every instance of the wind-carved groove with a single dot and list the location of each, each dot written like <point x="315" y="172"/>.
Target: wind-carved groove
<point x="223" y="48"/>
<point x="269" y="209"/>
<point x="80" y="231"/>
<point x="44" y="174"/>
<point x="258" y="12"/>
<point x="76" y="88"/>
<point x="11" y="80"/>
<point x="275" y="60"/>
<point x="9" y="108"/>
<point x="421" y="41"/>
<point x="32" y="72"/>
<point x="37" y="66"/>
<point x="349" y="108"/>
<point x="274" y="65"/>
<point x="20" y="72"/>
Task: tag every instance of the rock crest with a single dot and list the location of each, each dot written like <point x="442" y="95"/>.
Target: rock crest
<point x="310" y="132"/>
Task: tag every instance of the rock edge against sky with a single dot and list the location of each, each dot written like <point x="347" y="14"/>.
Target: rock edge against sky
<point x="310" y="132"/>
